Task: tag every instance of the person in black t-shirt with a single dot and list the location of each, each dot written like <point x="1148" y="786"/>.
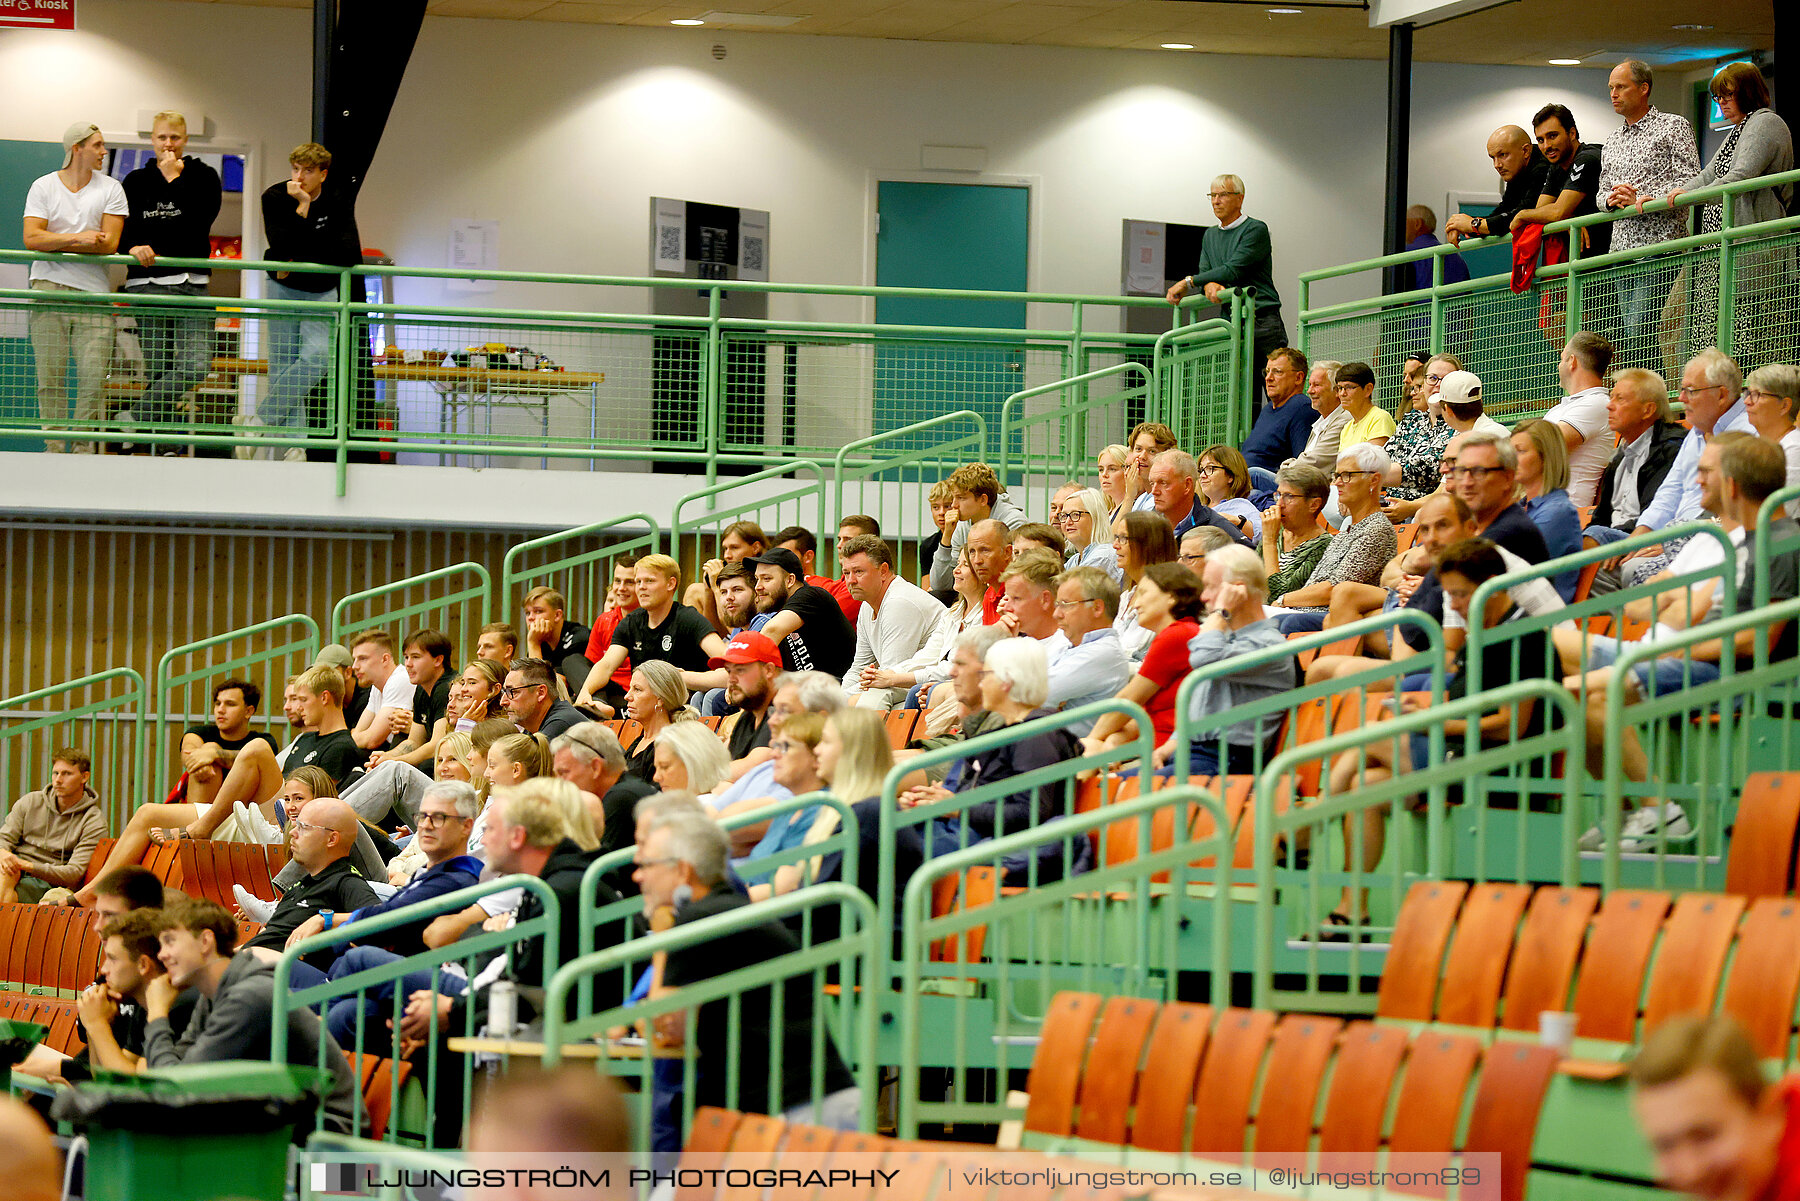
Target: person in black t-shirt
<point x="1521" y="168"/>
<point x="112" y="1011"/>
<point x="254" y="779"/>
<point x="1572" y="185"/>
<point x="208" y="751"/>
<point x="659" y="629"/>
<point x="550" y="636"/>
<point x="807" y="623"/>
<point x="322" y="836"/>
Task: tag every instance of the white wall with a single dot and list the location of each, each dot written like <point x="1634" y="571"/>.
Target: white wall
<point x="563" y="132"/>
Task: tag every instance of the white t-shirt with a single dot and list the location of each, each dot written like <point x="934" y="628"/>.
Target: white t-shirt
<point x="398" y="692"/>
<point x="66" y="212"/>
<point x="1585" y="412"/>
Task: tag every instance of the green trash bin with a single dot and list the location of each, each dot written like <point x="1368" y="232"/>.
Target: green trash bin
<point x="192" y="1133"/>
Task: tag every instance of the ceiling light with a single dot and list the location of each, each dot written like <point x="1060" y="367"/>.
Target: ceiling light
<point x="1285" y="12"/>
<point x="688" y="21"/>
<point x="1565" y="62"/>
<point x="1692" y="27"/>
<point x="1177" y="46"/>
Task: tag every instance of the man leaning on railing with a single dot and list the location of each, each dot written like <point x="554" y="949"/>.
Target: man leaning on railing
<point x="77" y="210"/>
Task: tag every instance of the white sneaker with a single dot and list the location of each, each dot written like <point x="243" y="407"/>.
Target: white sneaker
<point x="1643" y="828"/>
<point x="255" y="908"/>
<point x="294" y="454"/>
<point x="1593" y="840"/>
<point x="256" y="827"/>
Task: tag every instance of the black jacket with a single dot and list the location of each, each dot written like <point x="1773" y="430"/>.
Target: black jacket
<point x="1665" y="444"/>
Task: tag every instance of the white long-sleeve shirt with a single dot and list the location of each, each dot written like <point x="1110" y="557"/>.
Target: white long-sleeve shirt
<point x="887" y="638"/>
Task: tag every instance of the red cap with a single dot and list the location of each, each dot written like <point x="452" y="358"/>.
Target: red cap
<point x="749" y="647"/>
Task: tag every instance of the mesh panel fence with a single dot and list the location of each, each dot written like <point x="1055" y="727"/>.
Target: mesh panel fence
<point x="100" y="715"/>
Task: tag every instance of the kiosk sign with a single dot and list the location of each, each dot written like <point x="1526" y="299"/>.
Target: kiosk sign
<point x="37" y="14"/>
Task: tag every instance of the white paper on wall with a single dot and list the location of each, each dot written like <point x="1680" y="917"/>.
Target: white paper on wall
<point x="669" y="249"/>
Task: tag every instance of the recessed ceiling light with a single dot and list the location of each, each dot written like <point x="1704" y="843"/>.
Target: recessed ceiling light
<point x="688" y="21"/>
<point x="1695" y="27"/>
<point x="1565" y="62"/>
<point x="1177" y="46"/>
<point x="1285" y="12"/>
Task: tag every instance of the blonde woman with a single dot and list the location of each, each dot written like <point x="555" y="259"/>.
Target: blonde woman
<point x="689" y="758"/>
<point x="656" y="700"/>
<point x="1084" y="521"/>
<point x="453" y="752"/>
<point x="1118" y="481"/>
<point x="853" y="756"/>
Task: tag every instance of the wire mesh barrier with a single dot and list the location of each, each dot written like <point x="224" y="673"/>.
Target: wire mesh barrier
<point x="1327" y="856"/>
<point x="363" y="1008"/>
<point x="1052" y="433"/>
<point x="762" y="1035"/>
<point x="1201" y="377"/>
<point x="979" y="965"/>
<point x="265" y="655"/>
<point x="574" y="565"/>
<point x="456" y="612"/>
<point x="1732" y="285"/>
<point x="102" y="715"/>
<point x="1683" y="764"/>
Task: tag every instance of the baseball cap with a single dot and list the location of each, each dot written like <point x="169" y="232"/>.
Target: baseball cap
<point x="1460" y="388"/>
<point x="780" y="557"/>
<point x="74" y="136"/>
<point x="333" y="656"/>
<point x="749" y="647"/>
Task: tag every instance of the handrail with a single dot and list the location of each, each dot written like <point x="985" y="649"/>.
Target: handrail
<point x="510" y="574"/>
<point x="127" y="775"/>
<point x="785" y="468"/>
<point x="1763" y="552"/>
<point x="1067" y="410"/>
<point x="340" y="627"/>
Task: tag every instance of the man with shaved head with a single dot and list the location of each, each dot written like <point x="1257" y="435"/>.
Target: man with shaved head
<point x="990" y="553"/>
<point x="320" y="838"/>
<point x="1522" y="169"/>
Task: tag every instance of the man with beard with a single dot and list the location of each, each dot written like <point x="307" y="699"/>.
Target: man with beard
<point x="751" y="663"/>
<point x="805" y="621"/>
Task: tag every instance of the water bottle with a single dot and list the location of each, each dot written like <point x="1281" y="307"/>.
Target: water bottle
<point x="502" y="1009"/>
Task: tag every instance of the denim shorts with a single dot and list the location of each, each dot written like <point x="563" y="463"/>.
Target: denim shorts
<point x="1654" y="676"/>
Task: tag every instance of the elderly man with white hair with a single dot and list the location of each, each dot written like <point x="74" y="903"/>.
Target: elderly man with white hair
<point x="1361" y="548"/>
<point x="1235" y="585"/>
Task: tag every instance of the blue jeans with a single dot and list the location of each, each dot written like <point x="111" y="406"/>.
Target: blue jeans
<point x="1262" y="480"/>
<point x="1641" y="300"/>
<point x="1654" y="676"/>
<point x="376" y="1005"/>
<point x="1300" y="623"/>
<point x="299" y="353"/>
<point x="178" y="346"/>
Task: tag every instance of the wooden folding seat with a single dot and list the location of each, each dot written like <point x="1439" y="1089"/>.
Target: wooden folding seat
<point x="1410" y="976"/>
<point x="44" y="950"/>
<point x="1055" y="1076"/>
<point x="1610" y="983"/>
<point x="382" y="1081"/>
<point x="1309" y="723"/>
<point x="1508" y="1101"/>
<point x="813" y="1142"/>
<point x="629" y="732"/>
<point x="712" y="1130"/>
<point x="971" y="889"/>
<point x="1362" y="1080"/>
<point x="197" y="867"/>
<point x="758" y="1134"/>
<point x="1227" y="1082"/>
<point x="1760" y="862"/>
<point x="859" y="1152"/>
<point x="1584" y="583"/>
<point x="1171" y="1065"/>
<point x="1110" y="1081"/>
<point x="1764" y="980"/>
<point x="1684" y="977"/>
<point x="1544" y="957"/>
<point x="1428" y="1111"/>
<point x="78" y="963"/>
<point x="1298" y="1056"/>
<point x="1479" y="951"/>
<point x="64" y="1024"/>
<point x="98" y="861"/>
<point x="900" y="724"/>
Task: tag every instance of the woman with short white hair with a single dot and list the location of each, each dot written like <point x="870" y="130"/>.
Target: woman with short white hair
<point x="690" y="758"/>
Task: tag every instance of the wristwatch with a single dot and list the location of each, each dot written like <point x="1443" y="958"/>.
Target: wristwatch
<point x="326" y="915"/>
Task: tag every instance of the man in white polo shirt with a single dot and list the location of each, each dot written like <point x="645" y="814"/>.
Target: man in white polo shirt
<point x="77" y="210"/>
<point x="1581" y="414"/>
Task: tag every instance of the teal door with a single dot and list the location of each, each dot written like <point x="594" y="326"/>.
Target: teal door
<point x="20" y="164"/>
<point x="936" y="235"/>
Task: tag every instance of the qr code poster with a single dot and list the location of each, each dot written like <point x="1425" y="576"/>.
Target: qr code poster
<point x="669" y="235"/>
<point x="753" y="245"/>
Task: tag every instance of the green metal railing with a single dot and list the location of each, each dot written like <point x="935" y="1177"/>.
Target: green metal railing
<point x="839" y="949"/>
<point x="1659" y="304"/>
<point x="1118" y="930"/>
<point x="575" y="367"/>
<point x="571" y="563"/>
<point x="1283" y="894"/>
<point x="101" y="714"/>
<point x="458" y="613"/>
<point x="181" y="689"/>
<point x="890" y="476"/>
<point x="443" y="1070"/>
<point x="1766" y="546"/>
<point x="1059" y="440"/>
<point x="757" y="497"/>
<point x="1202" y="375"/>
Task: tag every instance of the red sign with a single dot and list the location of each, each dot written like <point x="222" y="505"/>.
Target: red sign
<point x="37" y="14"/>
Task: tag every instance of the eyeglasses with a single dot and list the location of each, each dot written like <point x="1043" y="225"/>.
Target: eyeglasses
<point x="1281" y="496"/>
<point x="1210" y="470"/>
<point x="1686" y="392"/>
<point x="1191" y="558"/>
<point x="783" y="746"/>
<point x="1338" y="477"/>
<point x="1222" y="195"/>
<point x="297" y="826"/>
<point x="1069" y="604"/>
<point x="1121" y="540"/>
<point x="641" y="863"/>
<point x="1474" y="473"/>
<point x="1071" y="515"/>
<point x="1434" y="379"/>
<point x="438" y="819"/>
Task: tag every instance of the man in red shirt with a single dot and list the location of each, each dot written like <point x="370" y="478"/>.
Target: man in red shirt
<point x="800" y="540"/>
<point x="1717" y="1128"/>
<point x="990" y="554"/>
<point x="622" y="599"/>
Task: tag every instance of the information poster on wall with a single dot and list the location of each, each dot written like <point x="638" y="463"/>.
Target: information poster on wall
<point x="1144" y="257"/>
<point x="37" y="14"/>
<point x="753" y="244"/>
<point x="669" y="222"/>
<point x="474" y="247"/>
